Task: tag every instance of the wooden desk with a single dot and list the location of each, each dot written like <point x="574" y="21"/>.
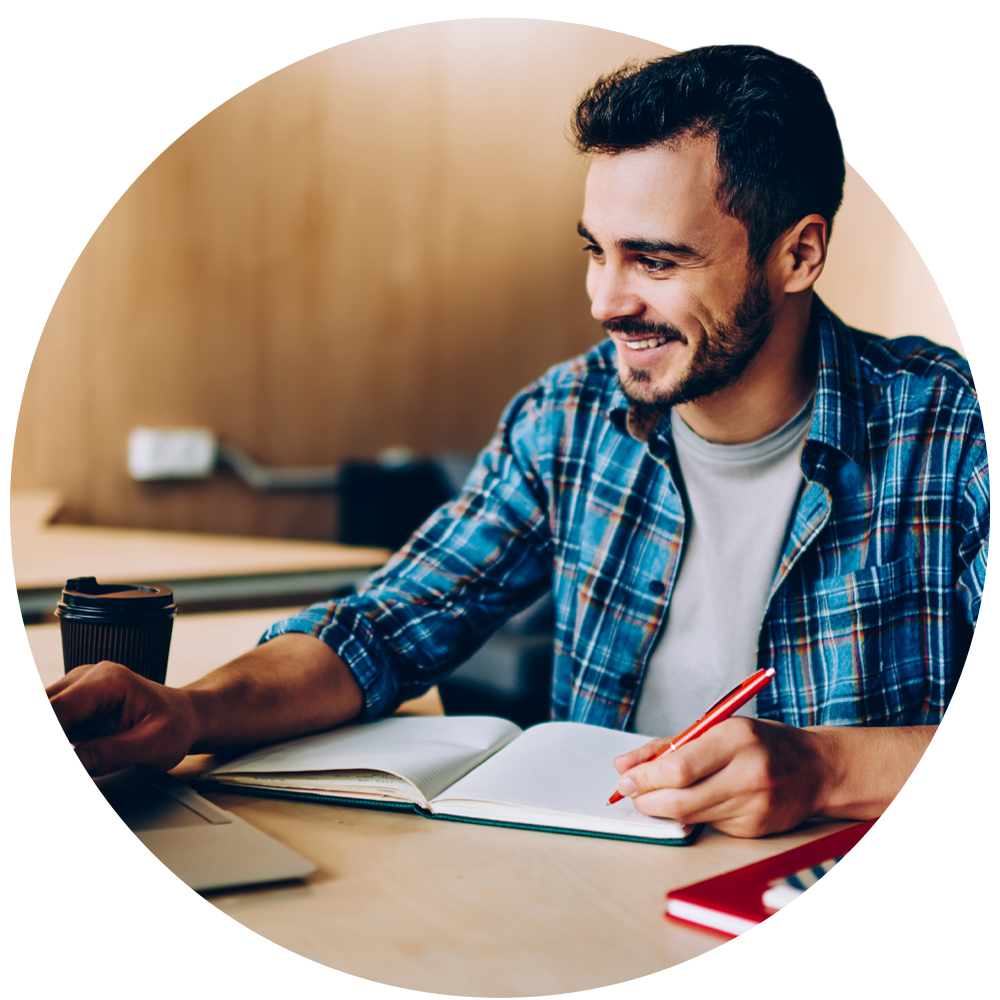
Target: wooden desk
<point x="202" y="569"/>
<point x="452" y="907"/>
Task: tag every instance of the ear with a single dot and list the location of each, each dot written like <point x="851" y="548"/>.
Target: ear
<point x="802" y="253"/>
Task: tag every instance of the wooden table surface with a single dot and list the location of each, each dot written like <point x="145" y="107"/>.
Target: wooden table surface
<point x="46" y="555"/>
<point x="201" y="567"/>
<point x="448" y="907"/>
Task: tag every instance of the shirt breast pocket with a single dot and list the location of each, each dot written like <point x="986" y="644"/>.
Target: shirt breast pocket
<point x="869" y="666"/>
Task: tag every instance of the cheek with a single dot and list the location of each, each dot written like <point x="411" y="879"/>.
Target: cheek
<point x="719" y="298"/>
<point x="683" y="307"/>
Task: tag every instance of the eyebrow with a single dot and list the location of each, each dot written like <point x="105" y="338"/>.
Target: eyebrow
<point x="682" y="250"/>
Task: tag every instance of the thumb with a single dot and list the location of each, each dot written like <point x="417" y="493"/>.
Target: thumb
<point x="639" y="756"/>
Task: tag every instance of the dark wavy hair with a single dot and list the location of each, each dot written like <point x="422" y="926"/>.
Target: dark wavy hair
<point x="777" y="145"/>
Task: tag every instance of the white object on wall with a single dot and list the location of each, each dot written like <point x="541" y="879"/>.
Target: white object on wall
<point x="171" y="453"/>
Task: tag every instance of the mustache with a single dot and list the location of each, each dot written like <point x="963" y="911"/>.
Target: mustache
<point x="631" y="326"/>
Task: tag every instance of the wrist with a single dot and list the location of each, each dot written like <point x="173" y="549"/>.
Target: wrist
<point x="832" y="769"/>
<point x="197" y="711"/>
<point x="863" y="768"/>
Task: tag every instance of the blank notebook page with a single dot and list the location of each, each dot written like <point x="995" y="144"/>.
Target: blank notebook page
<point x="556" y="767"/>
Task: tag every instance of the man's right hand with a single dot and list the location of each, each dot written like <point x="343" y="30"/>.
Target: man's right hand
<point x="291" y="686"/>
<point x="116" y="719"/>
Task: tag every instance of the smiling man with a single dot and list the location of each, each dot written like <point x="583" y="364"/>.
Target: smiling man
<point x="733" y="480"/>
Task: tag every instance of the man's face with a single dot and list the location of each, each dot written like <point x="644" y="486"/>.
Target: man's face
<point x="669" y="276"/>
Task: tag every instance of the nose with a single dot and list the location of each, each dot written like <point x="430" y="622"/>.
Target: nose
<point x="611" y="294"/>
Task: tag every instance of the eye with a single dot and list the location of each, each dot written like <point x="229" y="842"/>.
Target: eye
<point x="656" y="266"/>
<point x="594" y="250"/>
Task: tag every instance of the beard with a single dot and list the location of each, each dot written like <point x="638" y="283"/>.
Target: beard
<point x="719" y="359"/>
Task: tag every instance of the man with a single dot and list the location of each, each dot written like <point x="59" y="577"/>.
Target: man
<point x="735" y="479"/>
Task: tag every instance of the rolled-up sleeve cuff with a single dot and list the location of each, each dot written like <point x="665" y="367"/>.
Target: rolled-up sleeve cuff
<point x="350" y="635"/>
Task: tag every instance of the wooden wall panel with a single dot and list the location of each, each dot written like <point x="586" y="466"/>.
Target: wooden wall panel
<point x="874" y="277"/>
<point x="374" y="246"/>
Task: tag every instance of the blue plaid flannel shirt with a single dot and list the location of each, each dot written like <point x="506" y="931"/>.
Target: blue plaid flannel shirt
<point x="873" y="604"/>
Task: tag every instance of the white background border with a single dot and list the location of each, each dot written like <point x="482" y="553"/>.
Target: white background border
<point x="94" y="92"/>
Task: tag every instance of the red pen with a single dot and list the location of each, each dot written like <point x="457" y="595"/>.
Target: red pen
<point x="722" y="709"/>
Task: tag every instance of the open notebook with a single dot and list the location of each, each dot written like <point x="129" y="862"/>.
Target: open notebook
<point x="555" y="776"/>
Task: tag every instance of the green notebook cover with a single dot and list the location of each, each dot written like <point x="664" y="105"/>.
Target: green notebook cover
<point x="337" y="800"/>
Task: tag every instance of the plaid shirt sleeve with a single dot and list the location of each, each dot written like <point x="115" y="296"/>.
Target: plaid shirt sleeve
<point x="477" y="561"/>
<point x="973" y="531"/>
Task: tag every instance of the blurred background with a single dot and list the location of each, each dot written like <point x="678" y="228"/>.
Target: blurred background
<point x="372" y="248"/>
<point x="353" y="265"/>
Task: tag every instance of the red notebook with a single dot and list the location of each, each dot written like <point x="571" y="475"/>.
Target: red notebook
<point x="732" y="903"/>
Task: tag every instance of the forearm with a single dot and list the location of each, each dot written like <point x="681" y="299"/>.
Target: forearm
<point x="863" y="769"/>
<point x="293" y="685"/>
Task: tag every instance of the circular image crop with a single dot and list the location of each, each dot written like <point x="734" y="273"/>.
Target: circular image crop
<point x="582" y="357"/>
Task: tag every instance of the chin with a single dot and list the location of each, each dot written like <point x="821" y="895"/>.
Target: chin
<point x="641" y="386"/>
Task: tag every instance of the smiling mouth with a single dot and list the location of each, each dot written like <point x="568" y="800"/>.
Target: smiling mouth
<point x="646" y="345"/>
<point x="638" y="335"/>
<point x="648" y="342"/>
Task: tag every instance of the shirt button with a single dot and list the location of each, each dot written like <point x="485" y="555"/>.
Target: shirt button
<point x="657" y="587"/>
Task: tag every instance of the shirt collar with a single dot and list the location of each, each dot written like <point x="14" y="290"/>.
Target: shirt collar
<point x="838" y="414"/>
<point x="838" y="419"/>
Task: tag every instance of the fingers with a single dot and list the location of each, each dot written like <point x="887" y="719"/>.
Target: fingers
<point x="629" y="760"/>
<point x="745" y="777"/>
<point x="703" y="803"/>
<point x="75" y="675"/>
<point x="96" y="691"/>
<point x="116" y="718"/>
<point x="146" y="744"/>
<point x="690" y="763"/>
<point x="705" y="788"/>
<point x="725" y="808"/>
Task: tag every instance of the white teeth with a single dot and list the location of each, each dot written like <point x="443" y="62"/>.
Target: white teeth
<point x="645" y="345"/>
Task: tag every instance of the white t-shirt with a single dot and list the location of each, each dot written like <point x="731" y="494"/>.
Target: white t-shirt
<point x="740" y="501"/>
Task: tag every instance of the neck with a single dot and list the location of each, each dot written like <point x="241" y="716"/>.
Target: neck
<point x="774" y="387"/>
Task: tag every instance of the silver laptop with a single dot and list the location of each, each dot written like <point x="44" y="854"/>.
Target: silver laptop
<point x="204" y="846"/>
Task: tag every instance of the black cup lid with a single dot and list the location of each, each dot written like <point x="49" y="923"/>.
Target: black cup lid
<point x="84" y="595"/>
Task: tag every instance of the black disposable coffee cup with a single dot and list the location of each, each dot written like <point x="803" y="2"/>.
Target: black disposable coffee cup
<point x="125" y="623"/>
